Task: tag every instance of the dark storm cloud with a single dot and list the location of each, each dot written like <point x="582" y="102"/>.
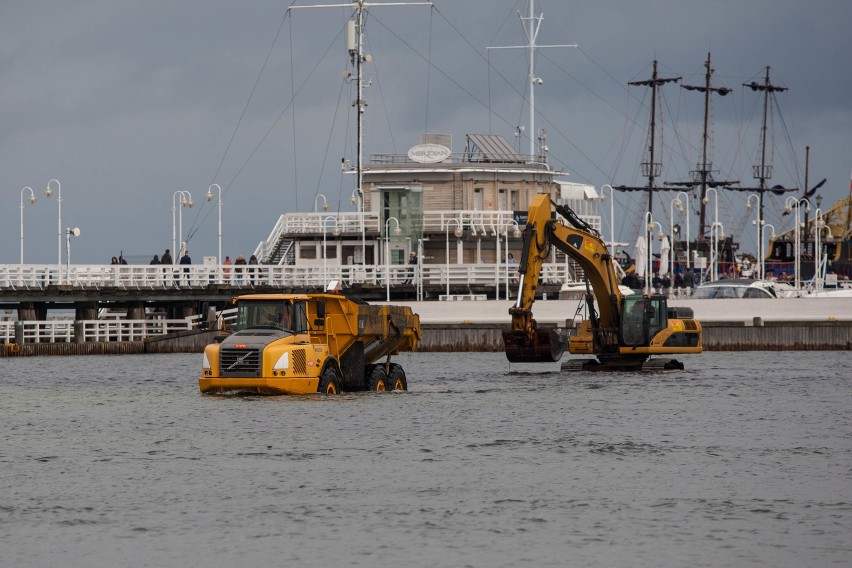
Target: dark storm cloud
<point x="127" y="102"/>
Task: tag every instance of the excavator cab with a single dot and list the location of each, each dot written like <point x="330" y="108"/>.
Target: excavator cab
<point x="642" y="317"/>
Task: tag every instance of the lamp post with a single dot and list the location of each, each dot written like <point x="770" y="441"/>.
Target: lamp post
<point x="756" y="223"/>
<point x="650" y="228"/>
<point x="516" y="233"/>
<point x="817" y="250"/>
<point x="714" y="253"/>
<point x="717" y="231"/>
<point x="397" y="231"/>
<point x="47" y="193"/>
<point x="458" y="233"/>
<point x="611" y="214"/>
<point x="32" y="199"/>
<point x="185" y="201"/>
<point x="324" y="202"/>
<point x="335" y="232"/>
<point x="69" y="232"/>
<point x="219" y="205"/>
<point x="357" y="199"/>
<point x="685" y="212"/>
<point x="763" y="225"/>
<point x="790" y="204"/>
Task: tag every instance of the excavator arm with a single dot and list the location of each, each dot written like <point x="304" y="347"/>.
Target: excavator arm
<point x="525" y="342"/>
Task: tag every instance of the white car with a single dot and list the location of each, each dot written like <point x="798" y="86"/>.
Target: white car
<point x="743" y="288"/>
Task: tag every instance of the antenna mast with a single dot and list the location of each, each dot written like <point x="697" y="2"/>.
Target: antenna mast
<point x="355" y="46"/>
<point x="531" y="25"/>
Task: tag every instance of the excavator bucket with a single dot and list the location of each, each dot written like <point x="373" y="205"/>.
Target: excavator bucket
<point x="547" y="347"/>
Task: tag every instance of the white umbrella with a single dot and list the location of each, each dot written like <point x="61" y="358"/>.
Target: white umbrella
<point x="641" y="252"/>
<point x="664" y="256"/>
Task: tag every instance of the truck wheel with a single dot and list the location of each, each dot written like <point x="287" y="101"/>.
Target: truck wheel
<point x="329" y="383"/>
<point x="397" y="380"/>
<point x="377" y="379"/>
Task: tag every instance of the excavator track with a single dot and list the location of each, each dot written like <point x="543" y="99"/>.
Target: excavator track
<point x="625" y="366"/>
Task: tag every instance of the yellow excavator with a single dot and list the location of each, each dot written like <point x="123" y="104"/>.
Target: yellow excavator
<point x="623" y="332"/>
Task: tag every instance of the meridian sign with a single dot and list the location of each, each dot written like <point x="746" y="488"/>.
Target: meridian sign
<point x="429" y="153"/>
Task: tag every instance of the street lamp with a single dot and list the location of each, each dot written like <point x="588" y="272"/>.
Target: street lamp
<point x="219" y="205"/>
<point x="335" y="232"/>
<point x="32" y="199"/>
<point x="75" y="232"/>
<point x="818" y="250"/>
<point x="685" y="212"/>
<point x="611" y="214"/>
<point x="47" y="193"/>
<point x="324" y="202"/>
<point x="357" y="199"/>
<point x="756" y="223"/>
<point x="516" y="233"/>
<point x="185" y="201"/>
<point x="458" y="233"/>
<point x="789" y="204"/>
<point x="660" y="235"/>
<point x="397" y="231"/>
<point x="717" y="231"/>
<point x="763" y="225"/>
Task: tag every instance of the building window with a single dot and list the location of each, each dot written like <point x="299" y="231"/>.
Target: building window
<point x="502" y="201"/>
<point x="477" y="199"/>
<point x="515" y="203"/>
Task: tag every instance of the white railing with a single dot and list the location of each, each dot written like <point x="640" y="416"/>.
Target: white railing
<point x="124" y="277"/>
<point x="296" y="224"/>
<point x="62" y="331"/>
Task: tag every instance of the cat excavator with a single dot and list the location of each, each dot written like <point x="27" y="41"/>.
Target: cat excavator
<point x="622" y="332"/>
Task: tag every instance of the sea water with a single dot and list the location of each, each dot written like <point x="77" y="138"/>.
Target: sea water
<point x="744" y="459"/>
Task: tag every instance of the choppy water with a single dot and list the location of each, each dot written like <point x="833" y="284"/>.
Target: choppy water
<point x="743" y="460"/>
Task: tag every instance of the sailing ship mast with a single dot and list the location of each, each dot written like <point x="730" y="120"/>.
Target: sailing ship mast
<point x="652" y="168"/>
<point x="763" y="172"/>
<point x="702" y="176"/>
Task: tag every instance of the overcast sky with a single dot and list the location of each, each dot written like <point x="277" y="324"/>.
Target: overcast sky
<point x="127" y="102"/>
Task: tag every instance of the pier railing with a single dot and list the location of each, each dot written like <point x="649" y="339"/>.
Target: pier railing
<point x="68" y="331"/>
<point x="315" y="275"/>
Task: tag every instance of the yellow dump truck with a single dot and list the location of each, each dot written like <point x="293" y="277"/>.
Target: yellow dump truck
<point x="308" y="343"/>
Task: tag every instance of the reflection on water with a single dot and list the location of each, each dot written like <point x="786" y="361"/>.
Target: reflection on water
<point x="741" y="460"/>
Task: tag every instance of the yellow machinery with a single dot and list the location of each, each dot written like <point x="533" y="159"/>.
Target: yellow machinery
<point x="622" y="333"/>
<point x="307" y="343"/>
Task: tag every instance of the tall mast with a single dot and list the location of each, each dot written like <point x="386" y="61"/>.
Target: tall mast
<point x="652" y="168"/>
<point x="355" y="45"/>
<point x="763" y="172"/>
<point x="702" y="176"/>
<point x="531" y="25"/>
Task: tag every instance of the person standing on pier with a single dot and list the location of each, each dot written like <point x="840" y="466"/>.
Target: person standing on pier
<point x="186" y="261"/>
<point x="252" y="263"/>
<point x="166" y="260"/>
<point x="238" y="268"/>
<point x="226" y="270"/>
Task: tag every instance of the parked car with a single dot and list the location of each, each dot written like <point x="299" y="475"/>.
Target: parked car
<point x="743" y="288"/>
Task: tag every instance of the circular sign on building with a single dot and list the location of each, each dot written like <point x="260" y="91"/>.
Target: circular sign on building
<point x="429" y="153"/>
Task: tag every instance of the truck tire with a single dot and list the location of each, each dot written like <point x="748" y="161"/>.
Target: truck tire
<point x="377" y="379"/>
<point x="329" y="383"/>
<point x="397" y="380"/>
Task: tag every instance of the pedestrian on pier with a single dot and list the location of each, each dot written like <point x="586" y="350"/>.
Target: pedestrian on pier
<point x="252" y="264"/>
<point x="226" y="270"/>
<point x="238" y="268"/>
<point x="186" y="261"/>
<point x="155" y="260"/>
<point x="166" y="260"/>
